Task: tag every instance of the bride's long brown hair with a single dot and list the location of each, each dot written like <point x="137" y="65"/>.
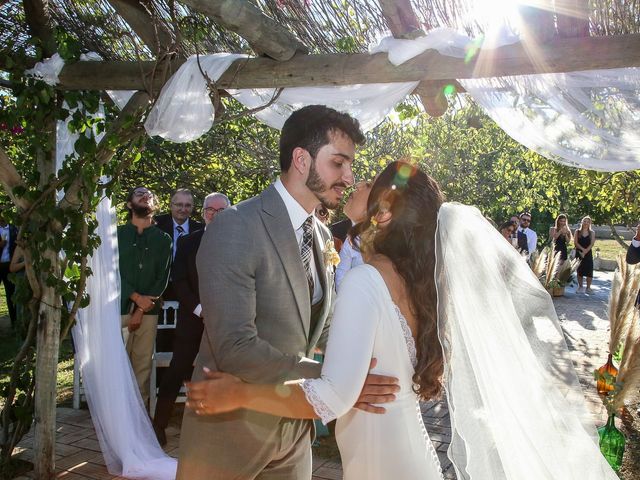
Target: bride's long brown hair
<point x="413" y="198"/>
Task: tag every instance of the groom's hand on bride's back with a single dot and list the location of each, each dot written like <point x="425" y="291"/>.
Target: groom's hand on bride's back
<point x="377" y="389"/>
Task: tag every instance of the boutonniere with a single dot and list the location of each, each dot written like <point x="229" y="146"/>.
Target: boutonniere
<point x="331" y="257"/>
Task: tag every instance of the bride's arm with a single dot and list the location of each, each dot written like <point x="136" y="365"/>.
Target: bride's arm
<point x="347" y="362"/>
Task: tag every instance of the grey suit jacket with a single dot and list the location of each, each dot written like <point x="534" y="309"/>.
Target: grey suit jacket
<point x="257" y="311"/>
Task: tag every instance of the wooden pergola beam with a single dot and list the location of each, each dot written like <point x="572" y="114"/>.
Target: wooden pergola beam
<point x="403" y="23"/>
<point x="559" y="55"/>
<point x="265" y="35"/>
<point x="153" y="33"/>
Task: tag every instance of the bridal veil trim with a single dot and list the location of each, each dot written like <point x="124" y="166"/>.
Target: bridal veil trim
<point x="517" y="410"/>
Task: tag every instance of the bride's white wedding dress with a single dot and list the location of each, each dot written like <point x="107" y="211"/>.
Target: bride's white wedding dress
<point x="367" y="324"/>
<point x="516" y="406"/>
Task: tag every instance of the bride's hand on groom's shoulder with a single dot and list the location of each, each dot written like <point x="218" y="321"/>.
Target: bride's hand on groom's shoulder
<point x="377" y="389"/>
<point x="218" y="393"/>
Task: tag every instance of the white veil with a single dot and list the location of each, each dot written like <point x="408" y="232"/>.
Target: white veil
<point x="517" y="410"/>
<point x="123" y="428"/>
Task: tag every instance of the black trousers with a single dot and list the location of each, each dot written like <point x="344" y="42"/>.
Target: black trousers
<point x="9" y="288"/>
<point x="186" y="344"/>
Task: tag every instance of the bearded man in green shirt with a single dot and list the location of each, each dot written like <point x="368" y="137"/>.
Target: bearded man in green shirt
<point x="145" y="262"/>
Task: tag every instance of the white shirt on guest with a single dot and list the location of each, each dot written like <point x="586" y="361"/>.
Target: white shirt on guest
<point x="177" y="234"/>
<point x="298" y="215"/>
<point x="350" y="257"/>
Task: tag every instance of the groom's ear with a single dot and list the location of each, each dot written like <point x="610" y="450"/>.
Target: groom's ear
<point x="300" y="160"/>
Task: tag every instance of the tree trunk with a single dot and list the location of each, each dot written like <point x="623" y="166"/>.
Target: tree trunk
<point x="617" y="237"/>
<point x="48" y="344"/>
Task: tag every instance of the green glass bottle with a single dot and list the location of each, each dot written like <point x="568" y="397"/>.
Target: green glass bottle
<point x="612" y="443"/>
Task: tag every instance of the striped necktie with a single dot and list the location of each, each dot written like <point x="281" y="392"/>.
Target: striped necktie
<point x="306" y="251"/>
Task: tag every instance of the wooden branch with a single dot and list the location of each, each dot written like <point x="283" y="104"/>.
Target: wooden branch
<point x="10" y="179"/>
<point x="538" y="22"/>
<point x="401" y="19"/>
<point x="265" y="35"/>
<point x="39" y="21"/>
<point x="126" y="127"/>
<point x="152" y="32"/>
<point x="560" y="55"/>
<point x="403" y="23"/>
<point x="572" y="18"/>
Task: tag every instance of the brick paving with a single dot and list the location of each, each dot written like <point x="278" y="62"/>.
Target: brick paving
<point x="582" y="317"/>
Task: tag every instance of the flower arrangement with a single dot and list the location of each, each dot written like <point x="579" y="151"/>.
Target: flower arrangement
<point x="330" y="255"/>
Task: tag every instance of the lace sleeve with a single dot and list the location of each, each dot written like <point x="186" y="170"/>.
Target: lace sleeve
<point x="320" y="407"/>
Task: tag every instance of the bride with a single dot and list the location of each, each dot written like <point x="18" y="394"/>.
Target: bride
<point x="433" y="310"/>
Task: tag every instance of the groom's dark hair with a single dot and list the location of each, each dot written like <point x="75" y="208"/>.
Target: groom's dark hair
<point x="309" y="128"/>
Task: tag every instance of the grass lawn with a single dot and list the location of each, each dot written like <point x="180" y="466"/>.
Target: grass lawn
<point x="10" y="344"/>
<point x="609" y="249"/>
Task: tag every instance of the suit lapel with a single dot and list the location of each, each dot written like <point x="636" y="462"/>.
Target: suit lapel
<point x="278" y="225"/>
<point x="326" y="278"/>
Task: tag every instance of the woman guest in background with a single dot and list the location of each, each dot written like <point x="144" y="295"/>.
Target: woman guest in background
<point x="356" y="210"/>
<point x="584" y="238"/>
<point x="560" y="235"/>
<point x="508" y="229"/>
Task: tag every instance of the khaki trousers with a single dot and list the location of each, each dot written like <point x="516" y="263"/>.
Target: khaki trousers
<point x="139" y="345"/>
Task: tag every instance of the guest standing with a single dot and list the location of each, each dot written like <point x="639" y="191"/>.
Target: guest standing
<point x="8" y="236"/>
<point x="560" y="235"/>
<point x="189" y="327"/>
<point x="145" y="260"/>
<point x="527" y="238"/>
<point x="584" y="238"/>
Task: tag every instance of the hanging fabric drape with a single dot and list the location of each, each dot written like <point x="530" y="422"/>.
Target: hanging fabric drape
<point x="581" y="119"/>
<point x="127" y="440"/>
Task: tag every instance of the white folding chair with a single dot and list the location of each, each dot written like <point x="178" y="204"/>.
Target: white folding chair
<point x="162" y="359"/>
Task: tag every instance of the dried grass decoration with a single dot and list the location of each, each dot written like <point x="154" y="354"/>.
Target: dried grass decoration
<point x="624" y="338"/>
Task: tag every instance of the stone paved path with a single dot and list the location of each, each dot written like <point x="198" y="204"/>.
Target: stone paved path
<point x="582" y="318"/>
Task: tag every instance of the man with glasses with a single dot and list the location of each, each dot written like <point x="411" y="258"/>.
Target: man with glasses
<point x="179" y="221"/>
<point x="189" y="328"/>
<point x="527" y="238"/>
<point x="176" y="224"/>
<point x="145" y="261"/>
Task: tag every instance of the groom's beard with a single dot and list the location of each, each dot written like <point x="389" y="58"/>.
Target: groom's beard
<point x="317" y="186"/>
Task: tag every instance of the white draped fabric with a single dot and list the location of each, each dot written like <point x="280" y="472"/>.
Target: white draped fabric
<point x="517" y="409"/>
<point x="582" y="119"/>
<point x="123" y="428"/>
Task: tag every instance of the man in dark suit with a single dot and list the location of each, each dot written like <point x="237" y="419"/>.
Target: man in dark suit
<point x="341" y="229"/>
<point x="8" y="236"/>
<point x="179" y="222"/>
<point x="176" y="224"/>
<point x="189" y="328"/>
<point x="633" y="254"/>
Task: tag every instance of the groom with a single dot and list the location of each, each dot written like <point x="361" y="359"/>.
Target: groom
<point x="267" y="297"/>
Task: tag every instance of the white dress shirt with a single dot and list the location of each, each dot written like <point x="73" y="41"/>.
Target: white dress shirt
<point x="298" y="215"/>
<point x="177" y="234"/>
<point x="350" y="257"/>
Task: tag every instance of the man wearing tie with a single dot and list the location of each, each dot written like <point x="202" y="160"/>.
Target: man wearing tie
<point x="176" y="224"/>
<point x="189" y="327"/>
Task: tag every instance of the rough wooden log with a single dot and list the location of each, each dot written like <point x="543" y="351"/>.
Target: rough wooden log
<point x="38" y="18"/>
<point x="265" y="35"/>
<point x="538" y="22"/>
<point x="560" y="55"/>
<point x="401" y="19"/>
<point x="152" y="32"/>
<point x="572" y="18"/>
<point x="403" y="23"/>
